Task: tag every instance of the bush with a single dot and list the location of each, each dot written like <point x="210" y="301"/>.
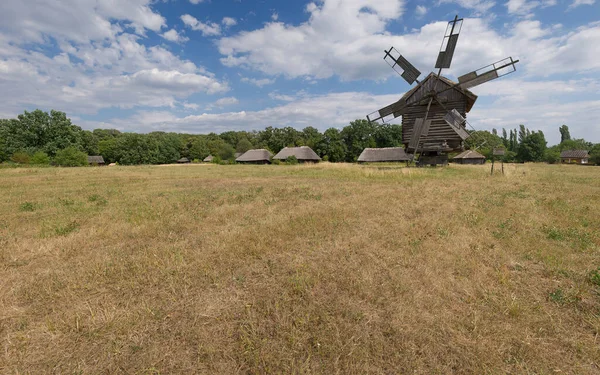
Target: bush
<point x="70" y="157"/>
<point x="40" y="158"/>
<point x="551" y="156"/>
<point x="20" y="157"/>
<point x="276" y="161"/>
<point x="196" y="161"/>
<point x="291" y="160"/>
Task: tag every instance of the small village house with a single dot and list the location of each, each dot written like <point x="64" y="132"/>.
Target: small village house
<point x="259" y="156"/>
<point x="304" y="154"/>
<point x="208" y="159"/>
<point x="95" y="160"/>
<point x="183" y="161"/>
<point x="383" y="155"/>
<point x="469" y="157"/>
<point x="574" y="157"/>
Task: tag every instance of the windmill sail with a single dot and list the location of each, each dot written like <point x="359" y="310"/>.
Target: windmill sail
<point x="449" y="44"/>
<point x="395" y="59"/>
<point x="456" y="122"/>
<point x="395" y="109"/>
<point x="487" y="73"/>
<point x="420" y="130"/>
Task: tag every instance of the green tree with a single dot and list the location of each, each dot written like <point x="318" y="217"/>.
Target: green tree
<point x="552" y="155"/>
<point x="564" y="133"/>
<point x="387" y="135"/>
<point x="20" y="157"/>
<point x="243" y="145"/>
<point x="357" y="136"/>
<point x="70" y="157"/>
<point x="226" y="152"/>
<point x="595" y="154"/>
<point x="109" y="150"/>
<point x="40" y="158"/>
<point x="333" y="145"/>
<point x="89" y="142"/>
<point x="533" y="147"/>
<point x="484" y="141"/>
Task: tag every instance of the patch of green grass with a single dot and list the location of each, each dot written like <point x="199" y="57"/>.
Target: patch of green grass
<point x="27" y="207"/>
<point x="98" y="199"/>
<point x="594" y="277"/>
<point x="63" y="230"/>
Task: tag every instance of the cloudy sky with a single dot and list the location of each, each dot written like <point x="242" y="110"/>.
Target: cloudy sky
<point x="214" y="65"/>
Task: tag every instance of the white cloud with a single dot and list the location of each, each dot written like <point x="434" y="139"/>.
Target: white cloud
<point x="320" y="46"/>
<point x="75" y="20"/>
<point x="321" y="49"/>
<point x="275" y="16"/>
<point x="228" y="21"/>
<point x="524" y="7"/>
<point x="224" y="102"/>
<point x="480" y="6"/>
<point x="173" y="36"/>
<point x="258" y="82"/>
<point x="577" y="3"/>
<point x="85" y="75"/>
<point x="207" y="29"/>
<point x="196" y="1"/>
<point x="420" y="10"/>
<point x="282" y="97"/>
<point x="322" y="111"/>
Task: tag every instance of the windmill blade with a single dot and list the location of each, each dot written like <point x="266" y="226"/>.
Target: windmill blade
<point x="488" y="73"/>
<point x="395" y="59"/>
<point x="395" y="109"/>
<point x="456" y="122"/>
<point x="449" y="44"/>
<point x="420" y="130"/>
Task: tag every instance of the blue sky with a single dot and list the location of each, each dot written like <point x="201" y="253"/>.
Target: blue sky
<point x="215" y="65"/>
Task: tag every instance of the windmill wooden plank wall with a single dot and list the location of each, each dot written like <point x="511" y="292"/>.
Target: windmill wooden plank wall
<point x="439" y="130"/>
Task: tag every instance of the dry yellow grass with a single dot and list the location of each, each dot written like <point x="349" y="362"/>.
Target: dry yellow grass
<point x="303" y="269"/>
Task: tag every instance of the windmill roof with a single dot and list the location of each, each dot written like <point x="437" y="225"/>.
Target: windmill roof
<point x="471" y="98"/>
<point x="383" y="154"/>
<point x="96" y="159"/>
<point x="255" y="155"/>
<point x="301" y="153"/>
<point x="469" y="154"/>
<point x="576" y="154"/>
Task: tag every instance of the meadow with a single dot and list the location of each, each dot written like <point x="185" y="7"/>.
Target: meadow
<point x="329" y="268"/>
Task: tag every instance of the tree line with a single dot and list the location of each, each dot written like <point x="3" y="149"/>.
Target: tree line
<point x="524" y="145"/>
<point x="39" y="137"/>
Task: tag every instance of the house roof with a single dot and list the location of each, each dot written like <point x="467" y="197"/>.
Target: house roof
<point x="301" y="153"/>
<point x="575" y="154"/>
<point x="95" y="159"/>
<point x="469" y="154"/>
<point x="209" y="158"/>
<point x="383" y="154"/>
<point x="183" y="160"/>
<point x="255" y="155"/>
<point x="471" y="98"/>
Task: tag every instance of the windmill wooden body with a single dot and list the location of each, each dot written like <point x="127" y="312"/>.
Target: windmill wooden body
<point x="434" y="111"/>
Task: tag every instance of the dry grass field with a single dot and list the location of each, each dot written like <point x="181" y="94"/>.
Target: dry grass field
<point x="300" y="269"/>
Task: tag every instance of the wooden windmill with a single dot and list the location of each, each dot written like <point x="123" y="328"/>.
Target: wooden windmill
<point x="434" y="111"/>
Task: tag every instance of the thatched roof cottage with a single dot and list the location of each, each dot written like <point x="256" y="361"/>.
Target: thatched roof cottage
<point x="304" y="154"/>
<point x="382" y="155"/>
<point x="469" y="157"/>
<point x="259" y="156"/>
